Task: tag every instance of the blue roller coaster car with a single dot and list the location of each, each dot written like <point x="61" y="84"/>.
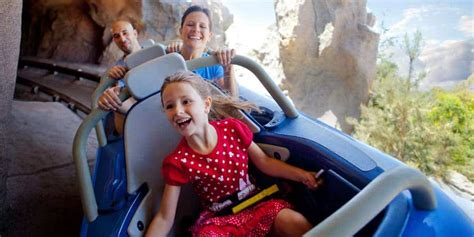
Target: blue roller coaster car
<point x="365" y="192"/>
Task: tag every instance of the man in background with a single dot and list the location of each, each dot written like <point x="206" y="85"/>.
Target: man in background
<point x="126" y="38"/>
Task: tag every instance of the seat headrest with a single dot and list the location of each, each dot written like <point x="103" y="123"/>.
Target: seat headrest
<point x="147" y="78"/>
<point x="145" y="43"/>
<point x="144" y="55"/>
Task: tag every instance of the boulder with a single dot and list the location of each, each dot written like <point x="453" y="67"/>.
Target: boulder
<point x="332" y="43"/>
<point x="10" y="30"/>
<point x="60" y="30"/>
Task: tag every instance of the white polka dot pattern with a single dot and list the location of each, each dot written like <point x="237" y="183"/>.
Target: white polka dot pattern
<point x="221" y="169"/>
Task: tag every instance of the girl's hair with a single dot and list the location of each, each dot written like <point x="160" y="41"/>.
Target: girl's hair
<point x="196" y="8"/>
<point x="222" y="106"/>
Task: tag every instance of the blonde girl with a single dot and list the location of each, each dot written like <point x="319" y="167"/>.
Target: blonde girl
<point x="213" y="156"/>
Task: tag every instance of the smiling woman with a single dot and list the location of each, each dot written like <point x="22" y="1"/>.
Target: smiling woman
<point x="195" y="32"/>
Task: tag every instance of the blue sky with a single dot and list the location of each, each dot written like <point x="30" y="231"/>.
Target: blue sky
<point x="447" y="28"/>
<point x="437" y="20"/>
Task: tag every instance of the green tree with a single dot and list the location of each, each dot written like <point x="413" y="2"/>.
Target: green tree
<point x="393" y="120"/>
<point x="412" y="48"/>
<point x="452" y="117"/>
<point x="432" y="131"/>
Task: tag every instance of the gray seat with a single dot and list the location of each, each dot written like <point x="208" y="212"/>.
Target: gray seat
<point x="144" y="55"/>
<point x="145" y="43"/>
<point x="146" y="145"/>
<point x="133" y="60"/>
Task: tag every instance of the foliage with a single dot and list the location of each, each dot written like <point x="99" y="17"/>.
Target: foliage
<point x="433" y="131"/>
<point x="412" y="48"/>
<point x="453" y="118"/>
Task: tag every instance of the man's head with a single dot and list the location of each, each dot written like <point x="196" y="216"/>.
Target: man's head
<point x="125" y="36"/>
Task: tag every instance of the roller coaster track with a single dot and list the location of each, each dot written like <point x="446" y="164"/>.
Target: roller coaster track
<point x="69" y="83"/>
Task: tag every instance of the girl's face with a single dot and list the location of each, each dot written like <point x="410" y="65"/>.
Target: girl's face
<point x="186" y="110"/>
<point x="195" y="31"/>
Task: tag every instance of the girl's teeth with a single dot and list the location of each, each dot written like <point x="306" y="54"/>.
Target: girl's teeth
<point x="182" y="122"/>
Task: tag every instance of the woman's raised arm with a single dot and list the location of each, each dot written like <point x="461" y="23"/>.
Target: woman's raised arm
<point x="228" y="82"/>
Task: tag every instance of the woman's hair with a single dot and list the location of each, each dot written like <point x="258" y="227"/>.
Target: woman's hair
<point x="222" y="106"/>
<point x="196" y="8"/>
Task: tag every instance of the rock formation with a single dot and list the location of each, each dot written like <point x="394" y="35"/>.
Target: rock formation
<point x="268" y="55"/>
<point x="331" y="42"/>
<point x="10" y="30"/>
<point x="78" y="30"/>
<point x="60" y="30"/>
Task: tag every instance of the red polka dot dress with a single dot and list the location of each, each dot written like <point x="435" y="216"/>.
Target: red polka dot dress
<point x="217" y="175"/>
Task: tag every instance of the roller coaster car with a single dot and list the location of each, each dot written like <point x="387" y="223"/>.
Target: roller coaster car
<point x="365" y="191"/>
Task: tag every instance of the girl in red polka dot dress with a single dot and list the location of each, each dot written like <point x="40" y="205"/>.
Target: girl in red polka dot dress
<point x="214" y="157"/>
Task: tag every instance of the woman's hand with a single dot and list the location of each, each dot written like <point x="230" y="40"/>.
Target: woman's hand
<point x="228" y="83"/>
<point x="109" y="100"/>
<point x="225" y="57"/>
<point x="174" y="46"/>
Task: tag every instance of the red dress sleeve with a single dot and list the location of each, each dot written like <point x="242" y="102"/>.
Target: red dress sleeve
<point x="243" y="132"/>
<point x="173" y="172"/>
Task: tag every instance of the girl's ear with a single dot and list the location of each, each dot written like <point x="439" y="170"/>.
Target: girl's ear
<point x="207" y="104"/>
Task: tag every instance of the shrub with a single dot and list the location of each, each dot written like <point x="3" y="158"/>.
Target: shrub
<point x="432" y="131"/>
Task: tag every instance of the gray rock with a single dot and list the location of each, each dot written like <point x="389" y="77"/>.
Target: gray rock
<point x="333" y="44"/>
<point x="10" y="30"/>
<point x="60" y="30"/>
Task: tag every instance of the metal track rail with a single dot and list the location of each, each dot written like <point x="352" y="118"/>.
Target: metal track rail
<point x="70" y="83"/>
<point x="85" y="71"/>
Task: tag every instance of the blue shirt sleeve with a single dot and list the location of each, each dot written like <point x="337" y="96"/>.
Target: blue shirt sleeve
<point x="219" y="71"/>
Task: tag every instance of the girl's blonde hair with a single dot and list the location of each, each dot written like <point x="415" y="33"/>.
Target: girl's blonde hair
<point x="222" y="106"/>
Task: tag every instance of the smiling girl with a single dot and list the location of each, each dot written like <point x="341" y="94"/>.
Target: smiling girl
<point x="213" y="157"/>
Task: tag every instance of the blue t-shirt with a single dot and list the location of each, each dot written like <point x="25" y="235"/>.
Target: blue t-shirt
<point x="210" y="73"/>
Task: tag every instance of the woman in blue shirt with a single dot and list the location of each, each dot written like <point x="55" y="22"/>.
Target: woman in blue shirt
<point x="195" y="32"/>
